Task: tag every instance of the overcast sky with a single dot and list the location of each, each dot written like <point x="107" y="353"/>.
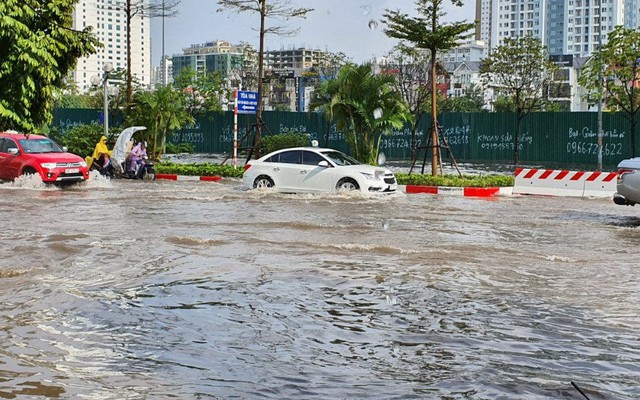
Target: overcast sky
<point x="353" y="27"/>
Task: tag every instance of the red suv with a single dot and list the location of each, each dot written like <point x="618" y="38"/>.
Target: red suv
<point x="22" y="154"/>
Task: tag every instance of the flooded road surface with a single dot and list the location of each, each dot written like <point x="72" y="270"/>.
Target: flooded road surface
<point x="155" y="290"/>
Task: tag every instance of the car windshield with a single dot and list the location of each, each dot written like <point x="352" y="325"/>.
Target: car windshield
<point x="340" y="158"/>
<point x="40" y="146"/>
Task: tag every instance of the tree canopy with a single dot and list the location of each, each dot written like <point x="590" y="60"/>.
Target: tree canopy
<point x="427" y="32"/>
<point x="519" y="69"/>
<point x="613" y="70"/>
<point x="364" y="105"/>
<point x="39" y="48"/>
<point x="163" y="111"/>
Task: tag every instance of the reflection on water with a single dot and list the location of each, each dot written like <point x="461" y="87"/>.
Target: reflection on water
<point x="128" y="289"/>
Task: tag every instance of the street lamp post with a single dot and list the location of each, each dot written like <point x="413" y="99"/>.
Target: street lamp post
<point x="95" y="80"/>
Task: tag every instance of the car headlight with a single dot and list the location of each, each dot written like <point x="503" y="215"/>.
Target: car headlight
<point x="371" y="177"/>
<point x="48" y="165"/>
<point x="83" y="164"/>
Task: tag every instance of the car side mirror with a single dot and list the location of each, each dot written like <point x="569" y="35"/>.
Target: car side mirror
<point x="323" y="164"/>
<point x="65" y="149"/>
<point x="13" y="150"/>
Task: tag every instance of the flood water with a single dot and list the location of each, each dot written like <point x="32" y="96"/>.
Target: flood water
<point x="159" y="290"/>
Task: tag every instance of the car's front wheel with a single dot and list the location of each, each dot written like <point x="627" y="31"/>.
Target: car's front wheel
<point x="29" y="171"/>
<point x="263" y="181"/>
<point x="347" y="185"/>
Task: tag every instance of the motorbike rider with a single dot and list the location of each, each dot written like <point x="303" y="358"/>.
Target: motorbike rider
<point x="136" y="158"/>
<point x="101" y="157"/>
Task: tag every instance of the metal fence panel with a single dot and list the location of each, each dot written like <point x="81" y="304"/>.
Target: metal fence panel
<point x="551" y="139"/>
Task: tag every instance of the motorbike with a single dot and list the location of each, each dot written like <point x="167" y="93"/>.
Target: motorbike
<point x="120" y="162"/>
<point x="143" y="170"/>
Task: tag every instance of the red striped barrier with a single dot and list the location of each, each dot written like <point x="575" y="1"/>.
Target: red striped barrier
<point x="459" y="191"/>
<point x="171" y="177"/>
<point x="174" y="177"/>
<point x="564" y="183"/>
<point x="421" y="189"/>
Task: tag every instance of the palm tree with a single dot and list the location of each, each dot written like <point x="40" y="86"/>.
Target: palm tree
<point x="363" y="105"/>
<point x="162" y="111"/>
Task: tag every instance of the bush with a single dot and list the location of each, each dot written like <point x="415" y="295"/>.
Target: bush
<point x="81" y="139"/>
<point x="283" y="141"/>
<point x="455" y="180"/>
<point x="199" y="169"/>
<point x="173" y="148"/>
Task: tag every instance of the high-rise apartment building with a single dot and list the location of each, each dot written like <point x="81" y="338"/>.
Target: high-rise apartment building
<point x="573" y="27"/>
<point x="109" y="22"/>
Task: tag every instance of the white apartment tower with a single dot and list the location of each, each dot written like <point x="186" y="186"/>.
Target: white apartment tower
<point x="516" y="18"/>
<point x="564" y="26"/>
<point x="109" y="22"/>
<point x="588" y="22"/>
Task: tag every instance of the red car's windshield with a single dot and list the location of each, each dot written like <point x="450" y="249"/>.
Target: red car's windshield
<point x="40" y="146"/>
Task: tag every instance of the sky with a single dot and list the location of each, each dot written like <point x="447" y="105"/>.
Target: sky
<point x="352" y="27"/>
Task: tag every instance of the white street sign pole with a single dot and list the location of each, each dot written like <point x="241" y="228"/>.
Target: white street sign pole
<point x="235" y="129"/>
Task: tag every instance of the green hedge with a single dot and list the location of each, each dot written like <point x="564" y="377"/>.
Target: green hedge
<point x="456" y="180"/>
<point x="199" y="169"/>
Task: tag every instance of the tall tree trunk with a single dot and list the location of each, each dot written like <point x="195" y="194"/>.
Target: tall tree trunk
<point x="632" y="115"/>
<point x="434" y="117"/>
<point x="633" y="134"/>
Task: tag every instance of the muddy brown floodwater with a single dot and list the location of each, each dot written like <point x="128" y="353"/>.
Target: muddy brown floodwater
<point x="154" y="290"/>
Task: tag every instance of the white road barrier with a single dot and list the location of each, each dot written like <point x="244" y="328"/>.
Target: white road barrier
<point x="564" y="183"/>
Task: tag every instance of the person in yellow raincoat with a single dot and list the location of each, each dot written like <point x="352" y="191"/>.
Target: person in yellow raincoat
<point x="101" y="157"/>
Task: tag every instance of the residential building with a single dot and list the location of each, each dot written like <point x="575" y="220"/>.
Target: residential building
<point x="462" y="75"/>
<point x="218" y="56"/>
<point x="467" y="51"/>
<point x="109" y="22"/>
<point x="165" y="72"/>
<point x="570" y="29"/>
<point x="563" y="26"/>
<point x="299" y="58"/>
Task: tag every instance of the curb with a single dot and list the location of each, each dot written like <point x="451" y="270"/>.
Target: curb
<point x="408" y="189"/>
<point x="174" y="177"/>
<point x="457" y="191"/>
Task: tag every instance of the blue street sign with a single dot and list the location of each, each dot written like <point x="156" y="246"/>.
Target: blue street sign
<point x="247" y="102"/>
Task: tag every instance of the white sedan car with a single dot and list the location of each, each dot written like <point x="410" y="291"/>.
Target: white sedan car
<point x="312" y="169"/>
<point x="628" y="188"/>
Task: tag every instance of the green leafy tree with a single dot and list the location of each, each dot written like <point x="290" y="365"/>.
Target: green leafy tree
<point x="520" y="70"/>
<point x="410" y="66"/>
<point x="81" y="139"/>
<point x="329" y="69"/>
<point x="276" y="9"/>
<point x="202" y="92"/>
<point x="504" y="104"/>
<point x="364" y="105"/>
<point x="615" y="72"/>
<point x="427" y="32"/>
<point x="460" y="104"/>
<point x="38" y="48"/>
<point x="162" y="111"/>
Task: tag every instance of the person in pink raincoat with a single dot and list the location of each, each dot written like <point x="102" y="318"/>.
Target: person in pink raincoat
<point x="137" y="156"/>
